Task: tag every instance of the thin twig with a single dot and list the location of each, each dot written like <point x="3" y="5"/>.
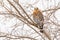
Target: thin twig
<point x="24" y="11"/>
<point x="10" y="36"/>
<point x="19" y="12"/>
<point x="51" y="9"/>
<point x="36" y="31"/>
<point x="46" y="34"/>
<point x="10" y="13"/>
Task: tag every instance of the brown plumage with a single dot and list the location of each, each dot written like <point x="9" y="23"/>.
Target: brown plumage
<point x="38" y="18"/>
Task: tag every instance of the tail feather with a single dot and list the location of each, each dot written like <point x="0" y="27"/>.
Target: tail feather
<point x="41" y="29"/>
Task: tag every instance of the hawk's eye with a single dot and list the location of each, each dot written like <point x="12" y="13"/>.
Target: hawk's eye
<point x="36" y="8"/>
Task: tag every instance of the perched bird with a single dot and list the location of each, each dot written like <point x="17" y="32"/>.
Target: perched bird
<point x="38" y="18"/>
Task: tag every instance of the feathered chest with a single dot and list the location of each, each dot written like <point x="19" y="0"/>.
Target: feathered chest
<point x="38" y="15"/>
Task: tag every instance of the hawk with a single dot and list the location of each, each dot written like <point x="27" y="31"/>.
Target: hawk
<point x="38" y="18"/>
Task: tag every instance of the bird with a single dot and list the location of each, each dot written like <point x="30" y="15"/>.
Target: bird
<point x="38" y="18"/>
